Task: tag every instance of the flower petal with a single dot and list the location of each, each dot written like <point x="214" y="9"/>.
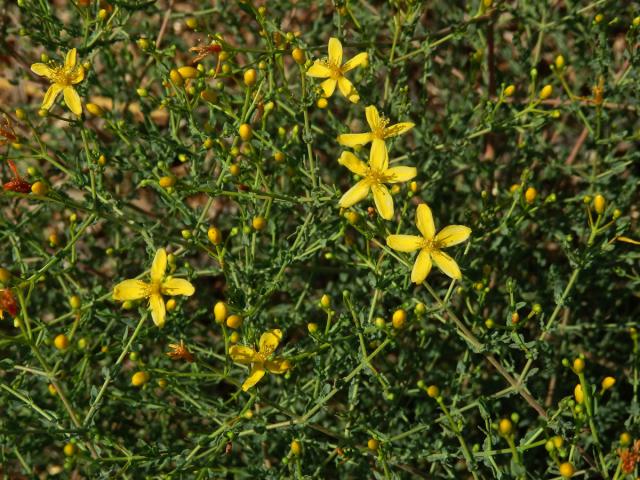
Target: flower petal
<point x="452" y="235"/>
<point x="269" y="341"/>
<point x="400" y="174"/>
<point x="319" y="70"/>
<point x="353" y="163"/>
<point x="354" y="139"/>
<point x="42" y="69"/>
<point x="383" y="201"/>
<point x="70" y="59"/>
<point x="424" y="221"/>
<point x="398" y="129"/>
<point x="77" y="75"/>
<point x="130" y="290"/>
<point x="335" y="51"/>
<point x="447" y="264"/>
<point x="72" y="99"/>
<point x="422" y="267"/>
<point x="404" y="243"/>
<point x="356" y="193"/>
<point x="241" y="354"/>
<point x="177" y="286"/>
<point x="159" y="265"/>
<point x="378" y="156"/>
<point x="158" y="309"/>
<point x="373" y="117"/>
<point x="51" y="95"/>
<point x="359" y="59"/>
<point x="277" y="366"/>
<point x="328" y="87"/>
<point x="257" y="372"/>
<point x="347" y="89"/>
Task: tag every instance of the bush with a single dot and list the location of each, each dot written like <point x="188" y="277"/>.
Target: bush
<point x="319" y="239"/>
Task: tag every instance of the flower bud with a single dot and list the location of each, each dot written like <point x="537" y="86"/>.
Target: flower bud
<point x="220" y="312"/>
<point x="608" y="382"/>
<point x="95" y="110"/>
<point x="505" y="427"/>
<point x="61" y="342"/>
<point x="599" y="204"/>
<point x="546" y="92"/>
<point x="245" y="131"/>
<point x="188" y="72"/>
<point x="139" y="378"/>
<point x="250" y="77"/>
<point x="214" y="235"/>
<point x="578" y="365"/>
<point x="578" y="394"/>
<point x="298" y="56"/>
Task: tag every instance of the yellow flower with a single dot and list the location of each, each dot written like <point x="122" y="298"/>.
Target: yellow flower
<point x="333" y="70"/>
<point x="62" y="78"/>
<point x="379" y="131"/>
<point x="430" y="245"/>
<point x="260" y="359"/>
<point x="374" y="176"/>
<point x="159" y="286"/>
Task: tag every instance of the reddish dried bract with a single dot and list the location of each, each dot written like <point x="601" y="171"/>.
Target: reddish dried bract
<point x="179" y="351"/>
<point x="6" y="131"/>
<point x="17" y="184"/>
<point x="629" y="457"/>
<point x="7" y="303"/>
<point x="202" y="52"/>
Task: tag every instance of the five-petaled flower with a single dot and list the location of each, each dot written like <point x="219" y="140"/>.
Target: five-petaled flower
<point x="62" y="78"/>
<point x="160" y="285"/>
<point x="374" y="176"/>
<point x="430" y="245"/>
<point x="379" y="130"/>
<point x="260" y="360"/>
<point x="333" y="70"/>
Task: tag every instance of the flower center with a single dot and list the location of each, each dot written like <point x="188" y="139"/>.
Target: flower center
<point x="379" y="130"/>
<point x="429" y="245"/>
<point x="155" y="288"/>
<point x="336" y="71"/>
<point x="376" y="176"/>
<point x="63" y="75"/>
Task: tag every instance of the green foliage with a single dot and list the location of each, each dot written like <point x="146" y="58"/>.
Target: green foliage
<point x="550" y="273"/>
